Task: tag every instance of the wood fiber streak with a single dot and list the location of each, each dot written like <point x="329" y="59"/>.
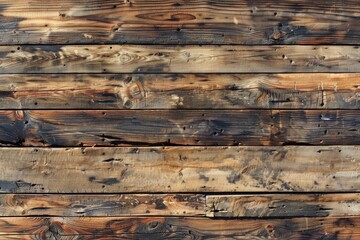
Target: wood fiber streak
<point x="179" y="228"/>
<point x="283" y="205"/>
<point x="177" y="59"/>
<point x="178" y="169"/>
<point x="102" y="205"/>
<point x="175" y="127"/>
<point x="180" y="91"/>
<point x="179" y="22"/>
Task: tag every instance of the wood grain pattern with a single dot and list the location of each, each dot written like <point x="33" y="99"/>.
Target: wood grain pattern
<point x="183" y="22"/>
<point x="283" y="205"/>
<point x="180" y="91"/>
<point x="180" y="169"/>
<point x="179" y="228"/>
<point x="102" y="205"/>
<point x="177" y="59"/>
<point x="185" y="127"/>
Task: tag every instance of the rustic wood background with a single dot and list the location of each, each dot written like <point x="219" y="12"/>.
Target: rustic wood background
<point x="179" y="119"/>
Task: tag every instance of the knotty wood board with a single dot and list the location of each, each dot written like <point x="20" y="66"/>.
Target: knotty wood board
<point x="282" y="205"/>
<point x="180" y="22"/>
<point x="180" y="169"/>
<point x="102" y="205"/>
<point x="179" y="228"/>
<point x="180" y="91"/>
<point x="177" y="59"/>
<point x="178" y="127"/>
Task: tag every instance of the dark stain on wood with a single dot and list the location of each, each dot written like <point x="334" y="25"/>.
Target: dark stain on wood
<point x="210" y="127"/>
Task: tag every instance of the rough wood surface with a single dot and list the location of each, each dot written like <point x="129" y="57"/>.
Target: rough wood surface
<point x="177" y="59"/>
<point x="184" y="22"/>
<point x="179" y="91"/>
<point x="12" y="205"/>
<point x="179" y="228"/>
<point x="180" y="169"/>
<point x="283" y="205"/>
<point x="178" y="127"/>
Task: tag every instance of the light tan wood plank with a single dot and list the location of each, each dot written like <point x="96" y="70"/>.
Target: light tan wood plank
<point x="177" y="59"/>
<point x="180" y="169"/>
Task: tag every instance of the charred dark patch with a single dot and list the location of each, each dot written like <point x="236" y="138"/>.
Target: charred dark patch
<point x="344" y="222"/>
<point x="8" y="186"/>
<point x="177" y="5"/>
<point x="92" y="178"/>
<point x="203" y="177"/>
<point x="158" y="230"/>
<point x="233" y="178"/>
<point x="157" y="68"/>
<point x="159" y="204"/>
<point x="109" y="181"/>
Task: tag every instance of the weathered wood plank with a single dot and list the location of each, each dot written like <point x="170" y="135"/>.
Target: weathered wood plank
<point x="180" y="169"/>
<point x="283" y="205"/>
<point x="179" y="228"/>
<point x="175" y="127"/>
<point x="102" y="205"/>
<point x="184" y="22"/>
<point x="177" y="59"/>
<point x="179" y="91"/>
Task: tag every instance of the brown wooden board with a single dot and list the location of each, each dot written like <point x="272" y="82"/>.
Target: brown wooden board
<point x="178" y="228"/>
<point x="179" y="22"/>
<point x="180" y="169"/>
<point x="102" y="205"/>
<point x="175" y="127"/>
<point x="180" y="91"/>
<point x="282" y="205"/>
<point x="177" y="59"/>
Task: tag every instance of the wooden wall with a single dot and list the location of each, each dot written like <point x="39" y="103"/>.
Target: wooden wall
<point x="178" y="119"/>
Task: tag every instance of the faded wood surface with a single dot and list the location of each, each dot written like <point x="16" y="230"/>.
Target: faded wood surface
<point x="180" y="169"/>
<point x="180" y="127"/>
<point x="102" y="205"/>
<point x="283" y="205"/>
<point x="179" y="91"/>
<point x="183" y="22"/>
<point x="179" y="228"/>
<point x="177" y="59"/>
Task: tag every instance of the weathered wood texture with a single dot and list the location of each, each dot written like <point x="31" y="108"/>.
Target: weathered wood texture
<point x="175" y="127"/>
<point x="283" y="205"/>
<point x="184" y="22"/>
<point x="179" y="91"/>
<point x="180" y="169"/>
<point x="102" y="205"/>
<point x="179" y="228"/>
<point x="180" y="59"/>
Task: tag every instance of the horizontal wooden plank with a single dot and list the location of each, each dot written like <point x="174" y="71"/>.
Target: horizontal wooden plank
<point x="116" y="205"/>
<point x="283" y="205"/>
<point x="184" y="22"/>
<point x="179" y="228"/>
<point x="178" y="127"/>
<point x="177" y="59"/>
<point x="180" y="169"/>
<point x="180" y="91"/>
